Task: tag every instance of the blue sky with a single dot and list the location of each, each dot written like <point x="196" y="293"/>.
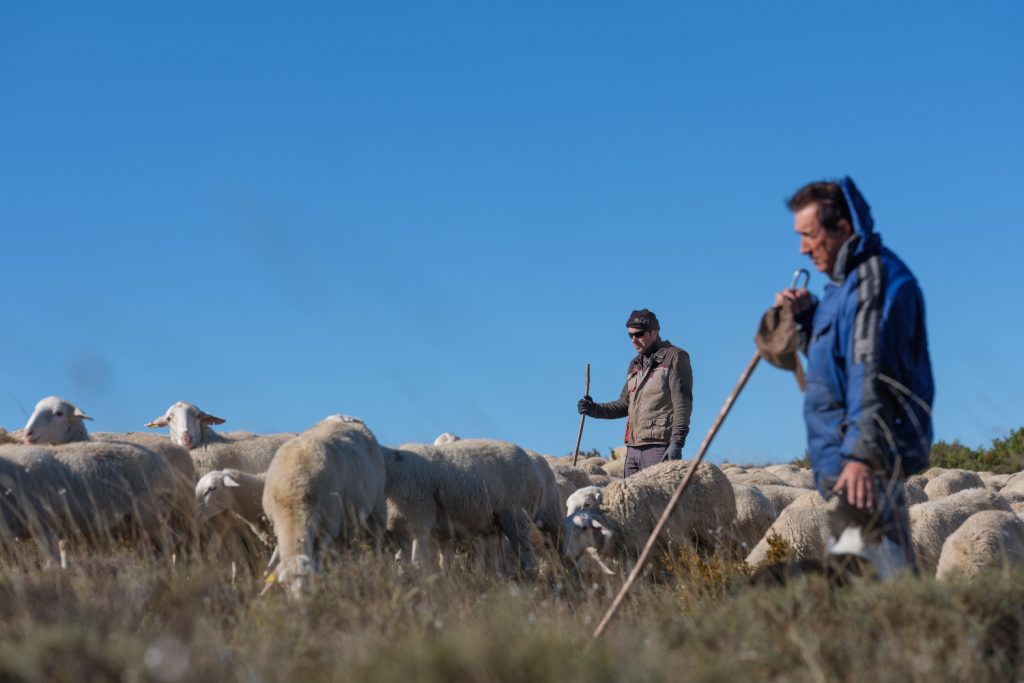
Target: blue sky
<point x="433" y="215"/>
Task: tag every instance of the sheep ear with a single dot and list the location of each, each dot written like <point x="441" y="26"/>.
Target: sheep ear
<point x="159" y="422"/>
<point x="231" y="482"/>
<point x="80" y="414"/>
<point x="207" y="419"/>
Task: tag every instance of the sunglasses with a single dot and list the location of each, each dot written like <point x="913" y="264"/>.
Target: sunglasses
<point x="637" y="335"/>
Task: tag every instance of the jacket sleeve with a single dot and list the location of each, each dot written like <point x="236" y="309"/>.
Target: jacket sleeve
<point x="613" y="409"/>
<point x="878" y="331"/>
<point x="681" y="388"/>
<point x="804" y="323"/>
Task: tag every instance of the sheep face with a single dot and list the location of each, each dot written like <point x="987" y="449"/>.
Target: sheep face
<point x="185" y="422"/>
<point x="586" y="498"/>
<point x="54" y="421"/>
<point x="587" y="529"/>
<point x="296" y="574"/>
<point x="213" y="495"/>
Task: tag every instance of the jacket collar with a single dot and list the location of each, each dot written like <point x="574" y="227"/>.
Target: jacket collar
<point x="657" y="354"/>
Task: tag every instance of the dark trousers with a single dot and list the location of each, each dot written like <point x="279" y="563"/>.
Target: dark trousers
<point x="641" y="457"/>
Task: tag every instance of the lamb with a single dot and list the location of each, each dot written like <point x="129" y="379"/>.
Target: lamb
<point x="55" y="421"/>
<point x="467" y="490"/>
<point x="190" y="428"/>
<point x="92" y="492"/>
<point x="754" y="514"/>
<point x="952" y="481"/>
<point x="631" y="507"/>
<point x="933" y="522"/>
<point x="323" y="487"/>
<point x="588" y="497"/>
<point x="986" y="540"/>
<point x="233" y="493"/>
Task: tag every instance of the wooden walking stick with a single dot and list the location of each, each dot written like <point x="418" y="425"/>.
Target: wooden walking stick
<point x="638" y="567"/>
<point x="583" y="418"/>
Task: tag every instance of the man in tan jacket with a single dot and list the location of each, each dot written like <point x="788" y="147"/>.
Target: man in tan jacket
<point x="656" y="399"/>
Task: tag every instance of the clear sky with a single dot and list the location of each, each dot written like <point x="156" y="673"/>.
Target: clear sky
<point x="432" y="215"/>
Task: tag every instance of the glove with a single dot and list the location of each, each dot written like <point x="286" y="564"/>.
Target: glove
<point x="674" y="452"/>
<point x="585" y="404"/>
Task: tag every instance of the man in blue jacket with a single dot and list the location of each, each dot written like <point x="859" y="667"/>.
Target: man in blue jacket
<point x="869" y="378"/>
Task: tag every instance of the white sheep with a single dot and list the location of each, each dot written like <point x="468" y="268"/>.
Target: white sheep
<point x="932" y="522"/>
<point x="803" y="526"/>
<point x="754" y="514"/>
<point x="754" y="477"/>
<point x="55" y="421"/>
<point x="791" y="475"/>
<point x="447" y="437"/>
<point x="1014" y="483"/>
<point x="986" y="540"/>
<point x="630" y="508"/>
<point x="191" y="428"/>
<point x="93" y="492"/>
<point x="616" y="469"/>
<point x="233" y="493"/>
<point x="994" y="482"/>
<point x="588" y="497"/>
<point x="469" y="490"/>
<point x="324" y="487"/>
<point x="952" y="481"/>
<point x="781" y="496"/>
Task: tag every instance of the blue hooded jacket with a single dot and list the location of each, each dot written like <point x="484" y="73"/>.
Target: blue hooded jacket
<point x="869" y="377"/>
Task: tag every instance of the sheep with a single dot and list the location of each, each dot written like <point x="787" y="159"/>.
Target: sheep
<point x="754" y="514"/>
<point x="914" y="493"/>
<point x="447" y="437"/>
<point x="190" y="428"/>
<point x="616" y="468"/>
<point x="1013" y="484"/>
<point x="588" y="497"/>
<point x="932" y="472"/>
<point x="986" y="540"/>
<point x="8" y="437"/>
<point x="631" y="507"/>
<point x="781" y="496"/>
<point x="548" y="516"/>
<point x="55" y="421"/>
<point x="92" y="492"/>
<point x="791" y="475"/>
<point x="465" y="490"/>
<point x="931" y="523"/>
<point x="952" y="481"/>
<point x="569" y="478"/>
<point x="755" y="477"/>
<point x="994" y="482"/>
<point x="176" y="456"/>
<point x="803" y="526"/>
<point x="233" y="493"/>
<point x="593" y="466"/>
<point x="324" y="486"/>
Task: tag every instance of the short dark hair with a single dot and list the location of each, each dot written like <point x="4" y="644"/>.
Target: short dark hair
<point x="832" y="206"/>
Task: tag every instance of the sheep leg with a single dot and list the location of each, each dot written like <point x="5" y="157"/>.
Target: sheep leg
<point x="516" y="526"/>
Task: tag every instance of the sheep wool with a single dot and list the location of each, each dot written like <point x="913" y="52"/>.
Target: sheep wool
<point x="932" y="522"/>
<point x="952" y="481"/>
<point x="324" y="486"/>
<point x="986" y="540"/>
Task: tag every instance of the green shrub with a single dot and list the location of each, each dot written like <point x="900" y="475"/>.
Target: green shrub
<point x="1005" y="455"/>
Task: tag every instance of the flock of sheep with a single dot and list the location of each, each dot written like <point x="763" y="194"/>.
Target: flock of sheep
<point x="299" y="498"/>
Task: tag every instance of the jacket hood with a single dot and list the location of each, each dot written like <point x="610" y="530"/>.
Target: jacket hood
<point x="864" y="240"/>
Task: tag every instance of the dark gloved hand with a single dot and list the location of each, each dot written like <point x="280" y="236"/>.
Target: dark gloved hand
<point x="674" y="452"/>
<point x="585" y="404"/>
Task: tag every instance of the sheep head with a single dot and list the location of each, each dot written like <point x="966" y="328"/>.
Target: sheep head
<point x="185" y="422"/>
<point x="55" y="421"/>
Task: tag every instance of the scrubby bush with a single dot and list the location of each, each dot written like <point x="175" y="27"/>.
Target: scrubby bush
<point x="1005" y="455"/>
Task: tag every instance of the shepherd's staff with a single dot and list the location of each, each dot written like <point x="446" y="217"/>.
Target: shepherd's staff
<point x="583" y="418"/>
<point x="638" y="567"/>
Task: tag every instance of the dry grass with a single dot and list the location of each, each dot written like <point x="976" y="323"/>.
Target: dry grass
<point x="120" y="616"/>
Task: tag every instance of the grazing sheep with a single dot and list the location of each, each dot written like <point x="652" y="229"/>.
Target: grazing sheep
<point x="754" y="514"/>
<point x="468" y="490"/>
<point x="952" y="481"/>
<point x="324" y="487"/>
<point x="931" y="523"/>
<point x="986" y="540"/>
<point x="55" y="421"/>
<point x="190" y="428"/>
<point x="804" y="528"/>
<point x="447" y="437"/>
<point x="630" y="508"/>
<point x="588" y="497"/>
<point x="234" y="493"/>
<point x="782" y="496"/>
<point x="94" y="492"/>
